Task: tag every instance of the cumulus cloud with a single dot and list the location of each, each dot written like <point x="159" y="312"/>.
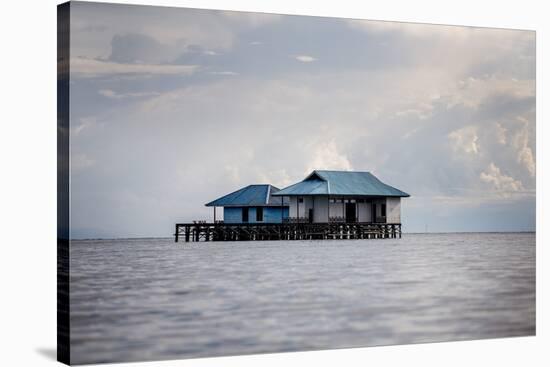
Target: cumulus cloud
<point x="305" y="58"/>
<point x="500" y="133"/>
<point x="525" y="157"/>
<point x="223" y="73"/>
<point x="326" y="155"/>
<point x="109" y="93"/>
<point x="499" y="181"/>
<point x="521" y="143"/>
<point x="465" y="140"/>
<point x="278" y="177"/>
<point x="84" y="67"/>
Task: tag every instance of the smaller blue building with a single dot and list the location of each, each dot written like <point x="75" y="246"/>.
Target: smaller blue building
<point x="252" y="204"/>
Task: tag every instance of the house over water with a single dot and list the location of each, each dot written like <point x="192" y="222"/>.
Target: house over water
<point x="252" y="204"/>
<point x="322" y="197"/>
<point x="343" y="196"/>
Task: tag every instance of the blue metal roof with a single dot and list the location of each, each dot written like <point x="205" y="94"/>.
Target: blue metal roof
<point x="252" y="195"/>
<point x="306" y="187"/>
<point x="341" y="183"/>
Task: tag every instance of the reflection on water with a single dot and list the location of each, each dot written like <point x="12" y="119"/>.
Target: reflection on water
<point x="153" y="299"/>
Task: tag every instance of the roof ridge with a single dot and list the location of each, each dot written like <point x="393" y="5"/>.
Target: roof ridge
<point x="340" y="170"/>
<point x="267" y="194"/>
<point x="362" y="183"/>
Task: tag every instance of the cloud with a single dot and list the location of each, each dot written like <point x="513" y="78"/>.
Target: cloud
<point x="499" y="181"/>
<point x="413" y="30"/>
<point x="326" y="156"/>
<point x="83" y="67"/>
<point x="225" y="73"/>
<point x="521" y="143"/>
<point x="305" y="58"/>
<point x="85" y="123"/>
<point x="98" y="24"/>
<point x="81" y="161"/>
<point x="277" y="177"/>
<point x="525" y="157"/>
<point x="443" y="113"/>
<point x="136" y="47"/>
<point x="114" y="95"/>
<point x="465" y="140"/>
<point x="500" y="133"/>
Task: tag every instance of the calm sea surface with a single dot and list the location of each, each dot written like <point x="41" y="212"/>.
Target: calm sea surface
<point x="153" y="299"/>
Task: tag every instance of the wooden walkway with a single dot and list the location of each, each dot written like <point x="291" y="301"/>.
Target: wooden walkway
<point x="195" y="232"/>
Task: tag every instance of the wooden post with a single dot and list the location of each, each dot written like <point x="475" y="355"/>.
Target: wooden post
<point x="344" y="209"/>
<point x="328" y="209"/>
<point x="282" y="209"/>
<point x="214" y="215"/>
<point x="177" y="231"/>
<point x="312" y="209"/>
<point x="297" y="209"/>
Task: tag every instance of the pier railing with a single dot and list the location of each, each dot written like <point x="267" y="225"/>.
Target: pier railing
<point x="200" y="231"/>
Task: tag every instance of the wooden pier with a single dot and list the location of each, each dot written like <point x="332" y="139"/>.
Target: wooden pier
<point x="219" y="231"/>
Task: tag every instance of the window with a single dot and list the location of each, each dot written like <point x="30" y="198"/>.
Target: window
<point x="259" y="214"/>
<point x="383" y="210"/>
<point x="245" y="215"/>
<point x="300" y="200"/>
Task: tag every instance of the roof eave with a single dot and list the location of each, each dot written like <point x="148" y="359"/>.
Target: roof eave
<point x="366" y="195"/>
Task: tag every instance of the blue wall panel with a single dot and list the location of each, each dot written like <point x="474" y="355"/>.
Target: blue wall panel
<point x="232" y="215"/>
<point x="271" y="215"/>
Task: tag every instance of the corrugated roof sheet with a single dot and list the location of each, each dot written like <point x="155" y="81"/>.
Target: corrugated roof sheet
<point x="252" y="195"/>
<point x="307" y="187"/>
<point x="341" y="183"/>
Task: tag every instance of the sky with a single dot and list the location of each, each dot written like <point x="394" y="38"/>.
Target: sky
<point x="171" y="108"/>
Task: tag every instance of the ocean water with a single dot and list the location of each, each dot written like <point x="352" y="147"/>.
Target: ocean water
<point x="152" y="299"/>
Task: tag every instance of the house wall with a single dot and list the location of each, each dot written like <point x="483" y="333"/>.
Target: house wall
<point x="292" y="207"/>
<point x="271" y="214"/>
<point x="320" y="205"/>
<point x="337" y="209"/>
<point x="232" y="215"/>
<point x="365" y="212"/>
<point x="378" y="203"/>
<point x="320" y="210"/>
<point x="302" y="207"/>
<point x="393" y="210"/>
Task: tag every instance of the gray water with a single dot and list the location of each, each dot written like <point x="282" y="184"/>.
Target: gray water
<point x="152" y="299"/>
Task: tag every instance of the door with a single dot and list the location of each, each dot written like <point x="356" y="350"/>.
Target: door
<point x="373" y="213"/>
<point x="351" y="216"/>
<point x="310" y="215"/>
<point x="245" y="215"/>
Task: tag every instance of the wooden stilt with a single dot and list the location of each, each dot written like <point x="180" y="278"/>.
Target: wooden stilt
<point x="218" y="231"/>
